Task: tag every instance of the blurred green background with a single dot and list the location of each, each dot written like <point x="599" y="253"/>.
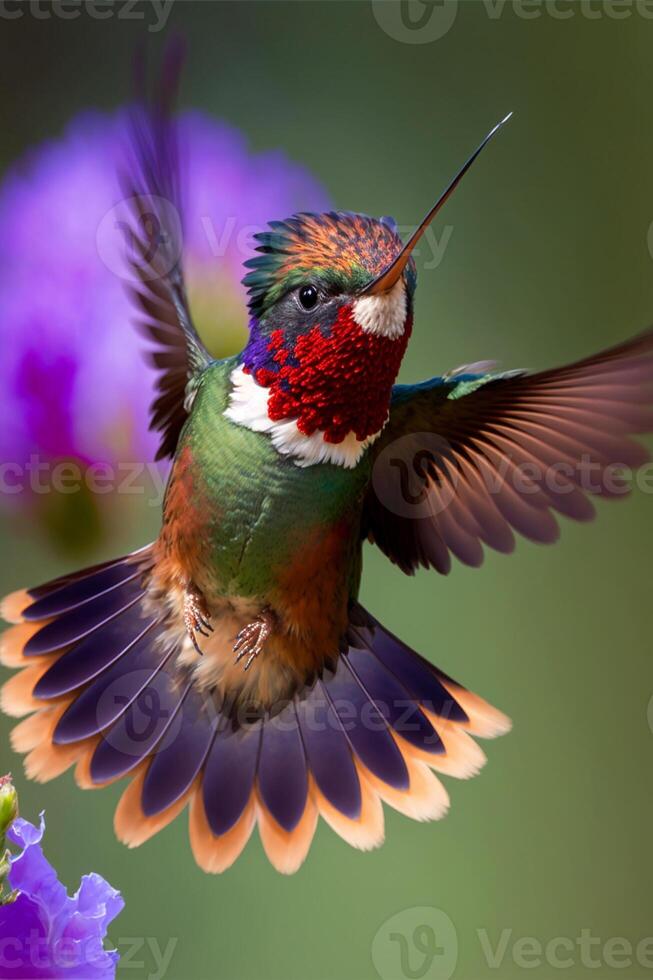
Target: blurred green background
<point x="547" y="259"/>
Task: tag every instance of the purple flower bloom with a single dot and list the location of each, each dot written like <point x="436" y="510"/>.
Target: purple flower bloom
<point x="74" y="382"/>
<point x="46" y="933"/>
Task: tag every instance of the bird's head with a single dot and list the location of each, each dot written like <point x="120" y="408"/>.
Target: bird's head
<point x="331" y="305"/>
<point x="315" y="324"/>
<point x="314" y="269"/>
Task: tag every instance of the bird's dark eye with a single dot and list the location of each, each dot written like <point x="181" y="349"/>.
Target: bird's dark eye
<point x="308" y="297"/>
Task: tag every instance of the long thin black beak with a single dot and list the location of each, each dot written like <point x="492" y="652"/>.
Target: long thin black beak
<point x="391" y="274"/>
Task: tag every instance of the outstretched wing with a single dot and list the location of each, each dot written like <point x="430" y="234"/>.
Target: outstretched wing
<point x="467" y="458"/>
<point x="154" y="229"/>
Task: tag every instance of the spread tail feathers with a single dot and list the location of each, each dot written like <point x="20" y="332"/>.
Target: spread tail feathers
<point x="102" y="689"/>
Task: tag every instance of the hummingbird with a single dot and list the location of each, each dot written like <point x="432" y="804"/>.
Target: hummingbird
<point x="229" y="668"/>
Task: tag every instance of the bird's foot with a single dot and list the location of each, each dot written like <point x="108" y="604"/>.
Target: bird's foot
<point x="251" y="639"/>
<point x="196" y="616"/>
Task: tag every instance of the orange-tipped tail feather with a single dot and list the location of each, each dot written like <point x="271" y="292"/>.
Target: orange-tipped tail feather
<point x="102" y="689"/>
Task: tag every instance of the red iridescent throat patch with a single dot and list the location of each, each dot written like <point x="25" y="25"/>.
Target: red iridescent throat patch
<point x="339" y="383"/>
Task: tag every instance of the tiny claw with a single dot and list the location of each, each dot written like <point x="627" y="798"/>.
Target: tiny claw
<point x="195" y="643"/>
<point x="204" y="624"/>
<point x="244" y="638"/>
<point x="251" y="639"/>
<point x="196" y="617"/>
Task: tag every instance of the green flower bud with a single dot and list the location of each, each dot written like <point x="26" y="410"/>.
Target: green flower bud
<point x="8" y="806"/>
<point x="8" y="813"/>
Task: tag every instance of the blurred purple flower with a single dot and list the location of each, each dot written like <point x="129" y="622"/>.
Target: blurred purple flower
<point x="74" y="382"/>
<point x="43" y="931"/>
